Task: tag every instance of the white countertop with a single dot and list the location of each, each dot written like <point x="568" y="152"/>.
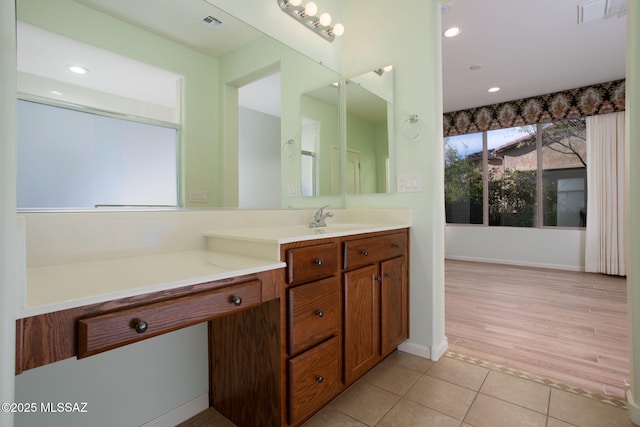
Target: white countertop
<point x="232" y="252"/>
<point x="66" y="286"/>
<point x="297" y="233"/>
<point x="264" y="242"/>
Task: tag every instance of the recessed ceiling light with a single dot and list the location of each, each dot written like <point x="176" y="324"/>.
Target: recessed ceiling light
<point x="55" y="92"/>
<point x="78" y="69"/>
<point x="493" y="89"/>
<point x="452" y="32"/>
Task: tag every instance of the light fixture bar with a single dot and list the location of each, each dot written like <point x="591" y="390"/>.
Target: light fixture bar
<point x="311" y="21"/>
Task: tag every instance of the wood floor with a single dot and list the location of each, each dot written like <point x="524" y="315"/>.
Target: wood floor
<point x="566" y="326"/>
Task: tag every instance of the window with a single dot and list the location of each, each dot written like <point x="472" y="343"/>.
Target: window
<point x="564" y="173"/>
<point x="463" y="179"/>
<point x="527" y="176"/>
<point x="76" y="159"/>
<point x="512" y="170"/>
<point x="308" y="188"/>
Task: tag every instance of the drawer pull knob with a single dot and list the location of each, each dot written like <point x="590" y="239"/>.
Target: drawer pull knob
<point x="319" y="378"/>
<point x="365" y="252"/>
<point x="320" y="313"/>
<point x="387" y="275"/>
<point x="378" y="278"/>
<point x="396" y="245"/>
<point x="236" y="300"/>
<point x="319" y="261"/>
<point x="140" y="326"/>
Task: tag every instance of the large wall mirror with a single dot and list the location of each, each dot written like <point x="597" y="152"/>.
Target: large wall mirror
<point x="369" y="128"/>
<point x="183" y="66"/>
<point x="320" y="141"/>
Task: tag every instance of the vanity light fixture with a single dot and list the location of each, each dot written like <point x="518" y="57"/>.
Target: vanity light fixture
<point x="78" y="69"/>
<point x="306" y="15"/>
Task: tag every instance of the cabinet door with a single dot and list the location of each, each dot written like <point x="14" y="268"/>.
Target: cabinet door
<point x="393" y="304"/>
<point x="361" y="322"/>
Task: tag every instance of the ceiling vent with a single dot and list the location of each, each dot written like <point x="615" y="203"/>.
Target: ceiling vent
<point x="211" y="22"/>
<point x="592" y="10"/>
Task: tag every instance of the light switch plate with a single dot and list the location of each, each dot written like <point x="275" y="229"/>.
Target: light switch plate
<point x="409" y="183"/>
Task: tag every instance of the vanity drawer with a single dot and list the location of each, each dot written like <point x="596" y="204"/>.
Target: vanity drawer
<point x="312" y="262"/>
<point x="314" y="313"/>
<point x="373" y="249"/>
<point x="111" y="330"/>
<point x="314" y="379"/>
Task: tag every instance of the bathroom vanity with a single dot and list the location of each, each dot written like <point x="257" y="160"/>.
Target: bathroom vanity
<point x="295" y="315"/>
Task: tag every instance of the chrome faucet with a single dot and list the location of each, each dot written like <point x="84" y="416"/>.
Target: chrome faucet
<point x="319" y="216"/>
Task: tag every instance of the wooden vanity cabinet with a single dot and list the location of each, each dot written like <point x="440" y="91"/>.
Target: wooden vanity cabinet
<point x="346" y="309"/>
<point x="376" y="300"/>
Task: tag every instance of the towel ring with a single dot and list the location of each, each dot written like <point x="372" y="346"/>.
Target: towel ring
<point x="289" y="149"/>
<point x="411" y="128"/>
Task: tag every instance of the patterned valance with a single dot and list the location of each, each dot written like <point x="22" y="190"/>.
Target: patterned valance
<point x="586" y="101"/>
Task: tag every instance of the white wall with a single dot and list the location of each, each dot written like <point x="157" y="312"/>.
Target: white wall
<point x="534" y="247"/>
<point x="8" y="240"/>
<point x="258" y="160"/>
<point x="128" y="386"/>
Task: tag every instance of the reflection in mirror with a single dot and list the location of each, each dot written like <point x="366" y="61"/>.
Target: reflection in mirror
<point x="320" y="148"/>
<point x="206" y="65"/>
<point x="369" y="123"/>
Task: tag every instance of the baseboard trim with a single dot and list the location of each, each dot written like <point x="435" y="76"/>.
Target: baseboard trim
<point x="433" y="353"/>
<point x="632" y="407"/>
<point x="439" y="350"/>
<point x="181" y="413"/>
<point x="517" y="263"/>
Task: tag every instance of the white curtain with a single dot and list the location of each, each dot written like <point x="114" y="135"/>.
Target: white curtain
<point x="606" y="194"/>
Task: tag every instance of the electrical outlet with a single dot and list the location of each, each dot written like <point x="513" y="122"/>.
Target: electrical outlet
<point x="198" y="196"/>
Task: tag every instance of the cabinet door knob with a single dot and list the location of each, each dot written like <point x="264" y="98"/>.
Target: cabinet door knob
<point x="378" y="278"/>
<point x="387" y="275"/>
<point x="396" y="245"/>
<point x="140" y="326"/>
<point x="318" y="261"/>
<point x="365" y="252"/>
<point x="319" y="313"/>
<point x="319" y="378"/>
<point x="236" y="300"/>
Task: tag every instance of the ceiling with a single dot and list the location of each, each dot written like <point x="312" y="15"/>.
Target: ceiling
<point x="525" y="47"/>
<point x="528" y="48"/>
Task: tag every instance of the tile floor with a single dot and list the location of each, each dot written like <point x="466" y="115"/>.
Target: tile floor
<point x="457" y="391"/>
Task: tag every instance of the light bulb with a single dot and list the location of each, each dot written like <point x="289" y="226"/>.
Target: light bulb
<point x="295" y="2"/>
<point x="325" y="19"/>
<point x="311" y="9"/>
<point x="338" y="30"/>
<point x="387" y="68"/>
